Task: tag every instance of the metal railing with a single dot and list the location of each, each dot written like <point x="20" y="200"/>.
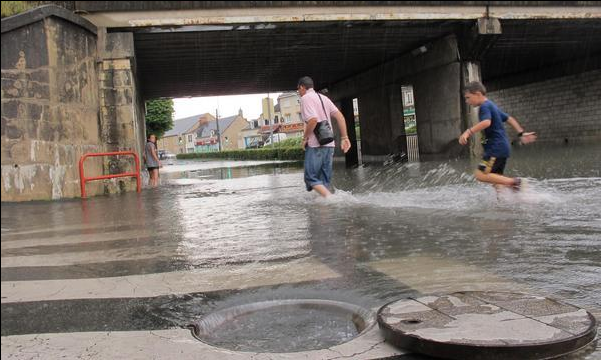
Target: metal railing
<point x="83" y="179"/>
<point x="412" y="148"/>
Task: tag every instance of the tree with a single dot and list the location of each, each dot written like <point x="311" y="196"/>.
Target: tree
<point x="159" y="116"/>
<point x="10" y="8"/>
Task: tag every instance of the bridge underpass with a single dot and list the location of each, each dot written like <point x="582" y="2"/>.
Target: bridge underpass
<point x="363" y="52"/>
<point x="80" y="76"/>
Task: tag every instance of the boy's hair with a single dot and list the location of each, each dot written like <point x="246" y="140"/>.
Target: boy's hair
<point x="474" y="87"/>
<point x="306" y="81"/>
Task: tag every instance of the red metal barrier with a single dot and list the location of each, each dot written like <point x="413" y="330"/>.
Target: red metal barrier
<point x="84" y="179"/>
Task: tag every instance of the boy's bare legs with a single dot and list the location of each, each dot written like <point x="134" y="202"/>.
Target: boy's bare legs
<point x="495" y="179"/>
<point x="322" y="190"/>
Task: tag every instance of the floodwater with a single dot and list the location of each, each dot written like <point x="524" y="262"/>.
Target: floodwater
<point x="390" y="231"/>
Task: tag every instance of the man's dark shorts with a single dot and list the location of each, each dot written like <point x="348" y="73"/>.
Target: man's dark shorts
<point x="491" y="164"/>
<point x="150" y="168"/>
<point x="318" y="166"/>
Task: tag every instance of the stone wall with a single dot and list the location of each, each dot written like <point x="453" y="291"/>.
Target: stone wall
<point x="49" y="108"/>
<point x="559" y="110"/>
<point x="121" y="118"/>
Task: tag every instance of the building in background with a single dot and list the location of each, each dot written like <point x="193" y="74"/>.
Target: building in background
<point x="289" y="106"/>
<point x="182" y="138"/>
<point x="291" y="122"/>
<point x="229" y="130"/>
<point x="283" y="117"/>
<point x="250" y="136"/>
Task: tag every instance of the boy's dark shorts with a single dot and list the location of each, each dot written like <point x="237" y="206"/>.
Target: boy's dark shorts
<point x="491" y="164"/>
<point x="151" y="168"/>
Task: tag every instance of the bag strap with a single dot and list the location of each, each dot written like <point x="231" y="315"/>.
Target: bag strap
<point x="323" y="107"/>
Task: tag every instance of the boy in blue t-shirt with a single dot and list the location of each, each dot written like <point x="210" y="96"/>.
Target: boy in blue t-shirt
<point x="495" y="141"/>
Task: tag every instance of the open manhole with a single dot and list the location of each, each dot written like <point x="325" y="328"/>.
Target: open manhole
<point x="283" y="325"/>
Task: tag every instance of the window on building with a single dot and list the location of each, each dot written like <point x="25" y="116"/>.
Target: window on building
<point x="276" y="119"/>
<point x="266" y="122"/>
<point x="256" y="124"/>
<point x="190" y="138"/>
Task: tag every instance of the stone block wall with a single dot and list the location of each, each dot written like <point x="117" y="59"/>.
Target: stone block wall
<point x="121" y="106"/>
<point x="561" y="109"/>
<point x="49" y="110"/>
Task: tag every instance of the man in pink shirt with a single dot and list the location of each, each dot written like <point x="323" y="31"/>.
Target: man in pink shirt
<point x="317" y="108"/>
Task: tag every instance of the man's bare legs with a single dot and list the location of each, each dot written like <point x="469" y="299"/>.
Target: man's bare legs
<point x="322" y="190"/>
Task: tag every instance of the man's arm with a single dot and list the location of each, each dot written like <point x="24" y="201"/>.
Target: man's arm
<point x="345" y="143"/>
<point x="309" y="127"/>
<point x="474" y="129"/>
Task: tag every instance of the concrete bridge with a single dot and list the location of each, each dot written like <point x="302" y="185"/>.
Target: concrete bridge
<point x="541" y="60"/>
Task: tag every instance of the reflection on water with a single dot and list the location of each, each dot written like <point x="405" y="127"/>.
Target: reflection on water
<point x="389" y="231"/>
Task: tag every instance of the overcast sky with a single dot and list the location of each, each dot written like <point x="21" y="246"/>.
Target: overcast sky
<point x="227" y="105"/>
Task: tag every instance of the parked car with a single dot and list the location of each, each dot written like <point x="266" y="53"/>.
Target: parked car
<point x="167" y="156"/>
<point x="255" y="145"/>
<point x="277" y="137"/>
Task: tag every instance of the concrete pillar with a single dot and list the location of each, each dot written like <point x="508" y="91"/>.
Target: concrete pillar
<point x="470" y="71"/>
<point x="438" y="110"/>
<point x="477" y="40"/>
<point x="375" y="124"/>
<point x="473" y="46"/>
<point x="346" y="107"/>
<point x="382" y="122"/>
<point x="121" y="107"/>
<point x="398" y="139"/>
<point x="434" y="71"/>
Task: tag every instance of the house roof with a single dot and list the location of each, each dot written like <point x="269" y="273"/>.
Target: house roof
<point x="224" y="123"/>
<point x="182" y="126"/>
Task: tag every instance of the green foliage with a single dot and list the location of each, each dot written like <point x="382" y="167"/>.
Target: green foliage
<point x="159" y="116"/>
<point x="10" y="8"/>
<point x="250" y="154"/>
<point x="294" y="142"/>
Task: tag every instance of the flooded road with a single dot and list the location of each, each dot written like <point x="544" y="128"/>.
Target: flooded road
<point x="217" y="235"/>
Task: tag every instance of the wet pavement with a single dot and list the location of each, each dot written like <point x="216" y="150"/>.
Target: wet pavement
<point x="217" y="235"/>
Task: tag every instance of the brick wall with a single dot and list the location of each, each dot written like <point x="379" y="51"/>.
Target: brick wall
<point x="568" y="107"/>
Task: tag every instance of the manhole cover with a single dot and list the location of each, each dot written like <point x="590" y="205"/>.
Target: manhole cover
<point x="283" y="325"/>
<point x="487" y="325"/>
